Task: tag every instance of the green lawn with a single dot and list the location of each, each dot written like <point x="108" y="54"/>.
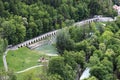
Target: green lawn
<point x="23" y="58"/>
<point x="35" y="71"/>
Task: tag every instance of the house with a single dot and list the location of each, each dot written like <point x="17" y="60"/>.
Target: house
<point x="117" y="8"/>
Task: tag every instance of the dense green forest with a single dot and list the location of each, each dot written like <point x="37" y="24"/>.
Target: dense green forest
<point x="95" y="46"/>
<point x="92" y="45"/>
<point x="21" y="20"/>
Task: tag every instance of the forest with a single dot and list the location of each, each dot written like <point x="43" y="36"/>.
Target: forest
<point x="94" y="45"/>
<point x="97" y="47"/>
<point x="21" y="20"/>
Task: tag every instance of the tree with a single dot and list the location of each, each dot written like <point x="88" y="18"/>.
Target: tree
<point x="110" y="77"/>
<point x="99" y="71"/>
<point x="70" y="59"/>
<point x="82" y="11"/>
<point x="109" y="53"/>
<point x="64" y="42"/>
<point x="91" y="78"/>
<point x="118" y="66"/>
<point x="80" y="58"/>
<point x="94" y="7"/>
<point x="94" y="60"/>
<point x="69" y="73"/>
<point x="3" y="45"/>
<point x="102" y="47"/>
<point x="7" y="75"/>
<point x="64" y="10"/>
<point x="108" y="64"/>
<point x="14" y="30"/>
<point x="56" y="66"/>
<point x="106" y="36"/>
<point x="117" y="34"/>
<point x="118" y="22"/>
<point x="28" y="76"/>
<point x="55" y="77"/>
<point x="1" y="8"/>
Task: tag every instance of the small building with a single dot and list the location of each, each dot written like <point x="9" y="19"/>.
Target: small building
<point x="117" y="8"/>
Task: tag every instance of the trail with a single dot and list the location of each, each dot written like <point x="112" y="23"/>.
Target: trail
<point x="4" y="60"/>
<point x="29" y="69"/>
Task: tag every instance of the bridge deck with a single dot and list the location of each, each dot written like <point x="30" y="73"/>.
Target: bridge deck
<point x="52" y="33"/>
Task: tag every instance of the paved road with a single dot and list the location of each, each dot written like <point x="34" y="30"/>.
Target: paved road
<point x="29" y="69"/>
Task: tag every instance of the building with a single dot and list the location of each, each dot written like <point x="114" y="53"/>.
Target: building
<point x="117" y="8"/>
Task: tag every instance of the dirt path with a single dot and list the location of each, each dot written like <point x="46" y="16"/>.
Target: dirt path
<point x="4" y="60"/>
<point x="29" y="69"/>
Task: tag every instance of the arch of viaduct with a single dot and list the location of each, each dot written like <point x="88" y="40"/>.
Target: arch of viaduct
<point x="53" y="33"/>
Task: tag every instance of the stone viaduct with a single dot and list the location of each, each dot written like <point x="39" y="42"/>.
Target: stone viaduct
<point x="53" y="33"/>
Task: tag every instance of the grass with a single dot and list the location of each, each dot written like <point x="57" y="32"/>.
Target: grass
<point x="32" y="72"/>
<point x="23" y="58"/>
<point x="1" y="63"/>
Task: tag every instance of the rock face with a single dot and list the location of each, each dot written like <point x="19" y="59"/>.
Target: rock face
<point x="85" y="74"/>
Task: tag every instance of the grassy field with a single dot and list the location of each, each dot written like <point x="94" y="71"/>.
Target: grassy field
<point x="32" y="72"/>
<point x="23" y="58"/>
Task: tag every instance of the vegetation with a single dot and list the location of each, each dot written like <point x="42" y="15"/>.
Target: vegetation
<point x="93" y="45"/>
<point x="3" y="45"/>
<point x="30" y="74"/>
<point x="23" y="58"/>
<point x="21" y="20"/>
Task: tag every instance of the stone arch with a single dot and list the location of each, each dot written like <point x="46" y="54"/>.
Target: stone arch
<point x="89" y="21"/>
<point x="92" y="20"/>
<point x="39" y="38"/>
<point x="24" y="44"/>
<point x="47" y="35"/>
<point x="52" y="33"/>
<point x="43" y="37"/>
<point x="34" y="41"/>
<point x="29" y="43"/>
<point x="21" y="45"/>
